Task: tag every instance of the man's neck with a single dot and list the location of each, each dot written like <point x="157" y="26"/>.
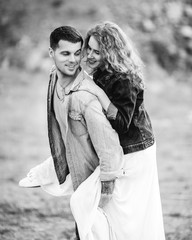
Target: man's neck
<point x="65" y="80"/>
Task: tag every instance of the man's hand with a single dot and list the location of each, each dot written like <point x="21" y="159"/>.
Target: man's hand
<point x="107" y="188"/>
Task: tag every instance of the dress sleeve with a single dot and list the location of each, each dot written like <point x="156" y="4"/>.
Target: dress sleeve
<point x="123" y="102"/>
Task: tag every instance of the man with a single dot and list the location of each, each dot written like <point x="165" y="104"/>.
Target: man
<point x="80" y="136"/>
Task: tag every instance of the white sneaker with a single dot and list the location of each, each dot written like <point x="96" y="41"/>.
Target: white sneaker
<point x="29" y="182"/>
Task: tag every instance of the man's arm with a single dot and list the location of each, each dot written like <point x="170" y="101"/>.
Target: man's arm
<point x="104" y="139"/>
<point x="107" y="146"/>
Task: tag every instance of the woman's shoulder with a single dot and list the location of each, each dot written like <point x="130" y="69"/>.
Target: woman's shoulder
<point x="116" y="79"/>
<point x="109" y="77"/>
<point x="131" y="79"/>
<point x="119" y="79"/>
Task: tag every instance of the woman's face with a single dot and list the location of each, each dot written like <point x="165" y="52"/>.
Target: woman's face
<point x="93" y="53"/>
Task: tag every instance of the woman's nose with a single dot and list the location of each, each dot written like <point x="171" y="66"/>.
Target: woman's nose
<point x="90" y="54"/>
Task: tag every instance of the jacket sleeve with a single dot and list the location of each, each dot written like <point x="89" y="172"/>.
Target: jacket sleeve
<point x="104" y="139"/>
<point x="123" y="101"/>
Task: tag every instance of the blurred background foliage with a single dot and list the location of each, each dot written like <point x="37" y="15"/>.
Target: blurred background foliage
<point x="161" y="29"/>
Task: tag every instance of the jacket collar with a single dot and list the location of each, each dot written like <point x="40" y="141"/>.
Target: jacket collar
<point x="76" y="84"/>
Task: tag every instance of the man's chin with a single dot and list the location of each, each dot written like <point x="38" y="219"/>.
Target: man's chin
<point x="72" y="72"/>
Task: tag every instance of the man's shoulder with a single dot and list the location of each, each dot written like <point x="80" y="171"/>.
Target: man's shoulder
<point x="83" y="96"/>
<point x="87" y="82"/>
<point x="83" y="90"/>
<point x="86" y="78"/>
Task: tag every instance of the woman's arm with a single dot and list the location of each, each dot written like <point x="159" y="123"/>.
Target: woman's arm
<point x="123" y="96"/>
<point x="118" y="103"/>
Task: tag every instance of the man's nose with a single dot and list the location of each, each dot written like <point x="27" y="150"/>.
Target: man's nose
<point x="72" y="58"/>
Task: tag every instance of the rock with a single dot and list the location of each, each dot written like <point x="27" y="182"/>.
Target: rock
<point x="174" y="11"/>
<point x="188" y="11"/>
<point x="189" y="47"/>
<point x="148" y="25"/>
<point x="186" y="31"/>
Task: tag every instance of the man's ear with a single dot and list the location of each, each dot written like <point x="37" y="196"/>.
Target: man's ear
<point x="51" y="52"/>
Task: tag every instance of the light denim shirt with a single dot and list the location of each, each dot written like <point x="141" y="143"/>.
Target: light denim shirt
<point x="88" y="141"/>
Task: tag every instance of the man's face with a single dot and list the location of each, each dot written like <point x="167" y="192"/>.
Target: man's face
<point x="67" y="57"/>
<point x="93" y="53"/>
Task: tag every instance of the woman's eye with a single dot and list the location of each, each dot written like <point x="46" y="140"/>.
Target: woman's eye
<point x="77" y="53"/>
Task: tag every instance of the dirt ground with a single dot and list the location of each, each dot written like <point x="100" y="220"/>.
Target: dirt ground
<point x="31" y="214"/>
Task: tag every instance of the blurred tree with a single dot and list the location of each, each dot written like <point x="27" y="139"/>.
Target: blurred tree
<point x="11" y="20"/>
<point x="161" y="28"/>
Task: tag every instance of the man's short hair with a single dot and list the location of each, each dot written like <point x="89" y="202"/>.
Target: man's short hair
<point x="66" y="33"/>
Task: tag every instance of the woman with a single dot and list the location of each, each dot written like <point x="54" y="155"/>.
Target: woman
<point x="116" y="69"/>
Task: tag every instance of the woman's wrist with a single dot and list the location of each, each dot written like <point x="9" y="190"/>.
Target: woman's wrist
<point x="107" y="187"/>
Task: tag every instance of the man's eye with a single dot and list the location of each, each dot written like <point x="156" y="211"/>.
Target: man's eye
<point x="64" y="54"/>
<point x="97" y="52"/>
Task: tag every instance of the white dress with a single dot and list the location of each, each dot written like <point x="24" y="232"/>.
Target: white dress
<point x="134" y="213"/>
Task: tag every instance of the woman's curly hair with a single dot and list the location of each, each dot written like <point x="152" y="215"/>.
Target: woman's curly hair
<point x="116" y="49"/>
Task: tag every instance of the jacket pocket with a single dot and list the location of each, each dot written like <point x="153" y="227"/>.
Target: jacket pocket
<point x="77" y="124"/>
